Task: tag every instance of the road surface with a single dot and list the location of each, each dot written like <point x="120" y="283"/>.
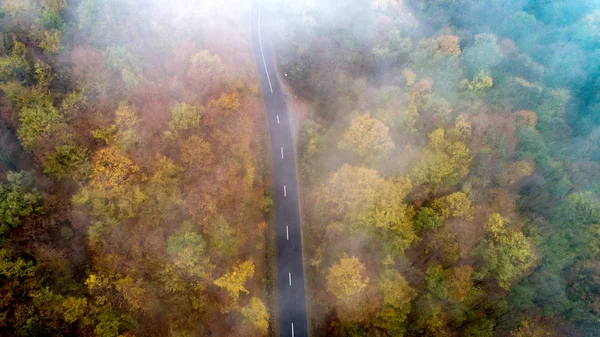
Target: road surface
<point x="291" y="295"/>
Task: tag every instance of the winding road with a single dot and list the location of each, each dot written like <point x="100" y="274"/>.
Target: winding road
<point x="291" y="294"/>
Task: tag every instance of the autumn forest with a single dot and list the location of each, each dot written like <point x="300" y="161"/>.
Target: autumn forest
<point x="448" y="159"/>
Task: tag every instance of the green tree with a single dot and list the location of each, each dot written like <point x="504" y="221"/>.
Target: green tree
<point x="445" y="161"/>
<point x="38" y="122"/>
<point x="18" y="199"/>
<point x="224" y="239"/>
<point x="428" y="219"/>
<point x="16" y="66"/>
<point x="507" y="253"/>
<point x="592" y="240"/>
<point x="121" y="60"/>
<point x="184" y="117"/>
<point x="483" y="55"/>
<point x="68" y="160"/>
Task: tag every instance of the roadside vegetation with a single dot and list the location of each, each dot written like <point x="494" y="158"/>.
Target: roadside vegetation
<point x="134" y="172"/>
<point x="450" y="163"/>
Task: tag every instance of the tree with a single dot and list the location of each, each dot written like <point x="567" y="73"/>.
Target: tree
<point x="207" y="70"/>
<point x="196" y="153"/>
<point x="456" y="204"/>
<point x="224" y="240"/>
<point x="584" y="282"/>
<point x="531" y="328"/>
<point x="68" y="160"/>
<point x="428" y="219"/>
<point x="518" y="25"/>
<point x="121" y="60"/>
<point x="51" y="42"/>
<point x="112" y="193"/>
<point x="51" y="14"/>
<point x="15" y="269"/>
<point x="580" y="209"/>
<point x="15" y="67"/>
<point x="256" y="313"/>
<point x="234" y="281"/>
<point x="311" y="145"/>
<point x="397" y="295"/>
<point x="37" y="122"/>
<point x="229" y="101"/>
<point x="368" y="138"/>
<point x="390" y="215"/>
<point x="74" y="308"/>
<point x="479" y="85"/>
<point x="449" y="44"/>
<point x="592" y="240"/>
<point x="483" y="55"/>
<point x="348" y="190"/>
<point x="18" y="199"/>
<point x="347" y="278"/>
<point x="189" y="273"/>
<point x="508" y="253"/>
<point x="126" y="125"/>
<point x="445" y="161"/>
<point x="526" y="118"/>
<point x="184" y="117"/>
<point x="459" y="282"/>
<point x="163" y="186"/>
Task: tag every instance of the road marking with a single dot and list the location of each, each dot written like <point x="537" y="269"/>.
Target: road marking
<point x="284" y="191"/>
<point x="290" y="276"/>
<point x="292" y="329"/>
<point x="277" y="119"/>
<point x="262" y="53"/>
<point x="282" y="152"/>
<point x="287" y="232"/>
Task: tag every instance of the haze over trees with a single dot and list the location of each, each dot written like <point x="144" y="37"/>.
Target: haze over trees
<point x="134" y="190"/>
<point x="449" y="156"/>
<point x="450" y="162"/>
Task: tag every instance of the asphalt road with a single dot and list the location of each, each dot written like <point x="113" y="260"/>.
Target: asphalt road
<point x="290" y="271"/>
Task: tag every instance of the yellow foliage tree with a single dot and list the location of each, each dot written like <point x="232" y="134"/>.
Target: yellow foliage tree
<point x="454" y="205"/>
<point x="445" y="161"/>
<point x="368" y="138"/>
<point x="508" y="253"/>
<point x="256" y="313"/>
<point x="234" y="281"/>
<point x="51" y="42"/>
<point x="347" y="278"/>
<point x="348" y="190"/>
<point x="229" y="101"/>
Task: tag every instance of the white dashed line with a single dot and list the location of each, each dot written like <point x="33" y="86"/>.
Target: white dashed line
<point x="292" y="329"/>
<point x="282" y="153"/>
<point x="287" y="232"/>
<point x="290" y="276"/>
<point x="277" y="119"/>
<point x="262" y="53"/>
<point x="284" y="191"/>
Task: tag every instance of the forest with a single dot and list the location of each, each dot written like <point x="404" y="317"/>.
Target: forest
<point x="448" y="161"/>
<point x="134" y="184"/>
<point x="449" y="157"/>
